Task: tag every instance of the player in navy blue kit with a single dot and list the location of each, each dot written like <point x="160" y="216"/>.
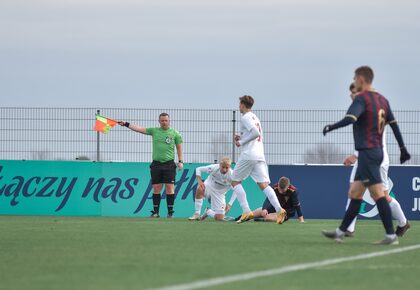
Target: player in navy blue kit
<point x="369" y="113"/>
<point x="288" y="197"/>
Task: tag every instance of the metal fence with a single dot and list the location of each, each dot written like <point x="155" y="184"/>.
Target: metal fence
<point x="290" y="136"/>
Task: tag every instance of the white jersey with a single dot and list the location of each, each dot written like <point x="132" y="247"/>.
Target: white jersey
<point x="384" y="148"/>
<point x="216" y="180"/>
<point x="254" y="149"/>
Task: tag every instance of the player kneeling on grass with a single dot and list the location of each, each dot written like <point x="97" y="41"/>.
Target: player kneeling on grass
<point x="214" y="188"/>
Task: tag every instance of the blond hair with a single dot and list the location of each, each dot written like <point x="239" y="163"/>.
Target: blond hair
<point x="226" y="161"/>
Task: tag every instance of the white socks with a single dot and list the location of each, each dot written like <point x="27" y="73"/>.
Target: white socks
<point x="352" y="226"/>
<point x="241" y="196"/>
<point x="397" y="212"/>
<point x="271" y="195"/>
<point x="198" y="205"/>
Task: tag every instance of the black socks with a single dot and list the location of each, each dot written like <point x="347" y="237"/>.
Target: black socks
<point x="156" y="203"/>
<point x="386" y="215"/>
<point x="351" y="213"/>
<point x="170" y="198"/>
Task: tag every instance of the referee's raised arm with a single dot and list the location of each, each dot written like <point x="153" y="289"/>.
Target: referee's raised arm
<point x="133" y="127"/>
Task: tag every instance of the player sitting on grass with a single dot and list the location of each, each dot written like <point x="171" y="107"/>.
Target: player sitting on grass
<point x="287" y="195"/>
<point x="214" y="189"/>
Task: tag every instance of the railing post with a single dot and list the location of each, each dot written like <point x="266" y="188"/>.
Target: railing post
<point x="97" y="141"/>
<point x="233" y="135"/>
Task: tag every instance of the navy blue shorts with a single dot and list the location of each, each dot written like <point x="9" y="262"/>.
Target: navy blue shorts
<point x="268" y="206"/>
<point x="369" y="166"/>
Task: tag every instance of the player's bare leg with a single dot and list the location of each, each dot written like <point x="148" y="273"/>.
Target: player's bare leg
<point x="271" y="217"/>
<point x="219" y="217"/>
<point x="259" y="212"/>
<point x="356" y="191"/>
<point x="157" y="189"/>
<point x="271" y="195"/>
<point x="198" y="203"/>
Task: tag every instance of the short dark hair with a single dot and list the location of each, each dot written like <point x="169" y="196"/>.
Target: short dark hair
<point x="352" y="87"/>
<point x="284" y="183"/>
<point x="247" y="101"/>
<point x="163" y="115"/>
<point x="366" y="72"/>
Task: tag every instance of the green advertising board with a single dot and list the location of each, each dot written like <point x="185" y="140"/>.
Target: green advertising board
<point x="80" y="188"/>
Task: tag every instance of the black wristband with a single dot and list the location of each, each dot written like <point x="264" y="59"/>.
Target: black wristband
<point x="180" y="161"/>
<point x="126" y="124"/>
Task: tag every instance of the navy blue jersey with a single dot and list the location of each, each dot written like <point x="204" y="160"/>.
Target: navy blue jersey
<point x="372" y="112"/>
<point x="289" y="200"/>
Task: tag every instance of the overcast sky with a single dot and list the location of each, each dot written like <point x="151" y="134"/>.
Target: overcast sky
<point x="288" y="54"/>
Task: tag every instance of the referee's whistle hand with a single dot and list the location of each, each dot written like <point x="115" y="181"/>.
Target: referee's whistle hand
<point x="180" y="166"/>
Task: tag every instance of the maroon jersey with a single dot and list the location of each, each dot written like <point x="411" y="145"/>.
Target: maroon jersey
<point x="372" y="112"/>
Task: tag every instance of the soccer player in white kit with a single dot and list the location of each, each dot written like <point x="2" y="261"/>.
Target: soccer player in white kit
<point x="214" y="188"/>
<point x="252" y="161"/>
<point x="397" y="213"/>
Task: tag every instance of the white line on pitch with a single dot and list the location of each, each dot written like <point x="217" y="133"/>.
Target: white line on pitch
<point x="292" y="268"/>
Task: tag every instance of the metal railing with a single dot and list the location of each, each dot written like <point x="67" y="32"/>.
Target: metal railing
<point x="290" y="136"/>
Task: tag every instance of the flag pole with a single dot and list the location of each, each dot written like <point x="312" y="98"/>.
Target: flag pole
<point x="97" y="141"/>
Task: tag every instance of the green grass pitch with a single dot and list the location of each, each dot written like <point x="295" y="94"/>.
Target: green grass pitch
<point x="137" y="253"/>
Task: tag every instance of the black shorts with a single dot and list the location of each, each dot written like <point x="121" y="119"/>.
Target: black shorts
<point x="163" y="172"/>
<point x="268" y="206"/>
<point x="369" y="166"/>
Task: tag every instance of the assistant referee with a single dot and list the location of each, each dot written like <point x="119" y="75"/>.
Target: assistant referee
<point x="163" y="167"/>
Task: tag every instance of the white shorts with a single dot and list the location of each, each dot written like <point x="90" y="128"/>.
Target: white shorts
<point x="384" y="174"/>
<point x="257" y="169"/>
<point x="217" y="199"/>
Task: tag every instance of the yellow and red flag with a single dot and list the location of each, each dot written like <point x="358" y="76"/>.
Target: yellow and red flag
<point x="104" y="124"/>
